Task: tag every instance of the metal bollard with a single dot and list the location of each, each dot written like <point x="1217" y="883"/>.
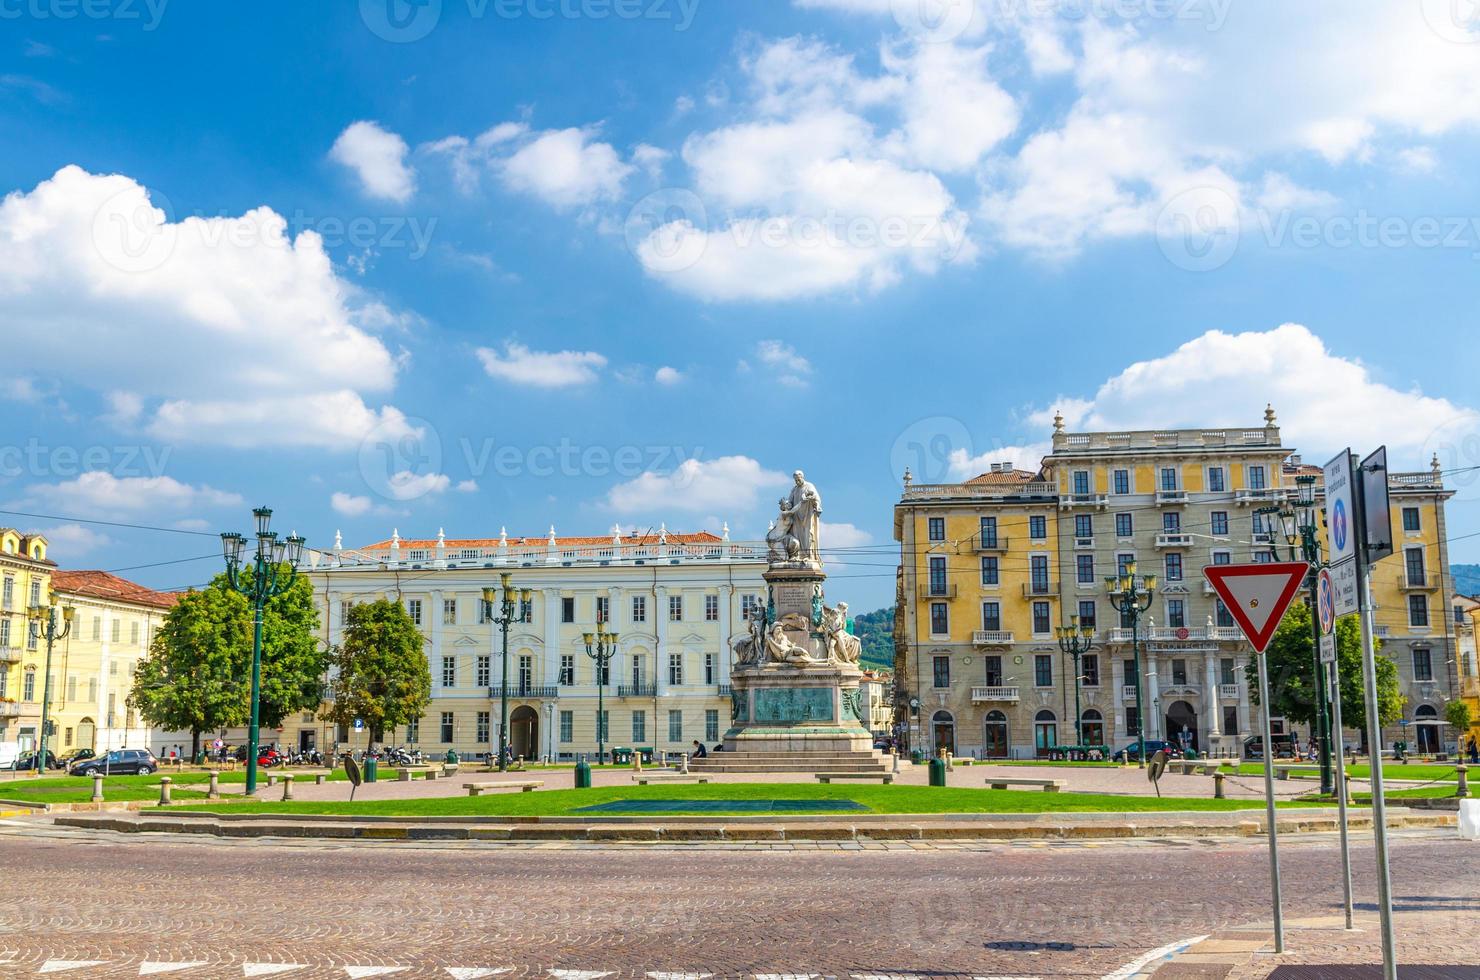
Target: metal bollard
<point x="287" y="787"/>
<point x="1462" y="791"/>
<point x="164" y="790"/>
<point x="1218" y="786"/>
<point x="97" y="796"/>
<point x="214" y="792"/>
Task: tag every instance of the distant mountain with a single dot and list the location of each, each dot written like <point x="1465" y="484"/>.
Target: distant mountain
<point x="876" y="630"/>
<point x="1466" y="578"/>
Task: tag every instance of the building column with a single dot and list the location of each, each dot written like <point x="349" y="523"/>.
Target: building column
<point x="660" y="629"/>
<point x="1211" y="701"/>
<point x="722" y="667"/>
<point x="552" y="649"/>
<point x="1152" y="697"/>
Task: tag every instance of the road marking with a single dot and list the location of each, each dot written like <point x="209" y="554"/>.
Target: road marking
<point x="151" y="967"/>
<point x="57" y="966"/>
<point x="679" y="976"/>
<point x="579" y="974"/>
<point x="1136" y="965"/>
<point x="475" y="972"/>
<point x="356" y="972"/>
<point x="268" y="969"/>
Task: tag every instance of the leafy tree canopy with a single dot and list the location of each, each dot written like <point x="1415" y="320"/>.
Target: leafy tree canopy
<point x="381" y="673"/>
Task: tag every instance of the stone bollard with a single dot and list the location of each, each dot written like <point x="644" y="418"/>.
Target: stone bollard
<point x="684" y="764"/>
<point x="271" y="780"/>
<point x="97" y="796"/>
<point x="319" y="779"/>
<point x="637" y="761"/>
<point x="1462" y="791"/>
<point x="164" y="790"/>
<point x="287" y="787"/>
<point x="214" y="792"/>
<point x="1218" y="786"/>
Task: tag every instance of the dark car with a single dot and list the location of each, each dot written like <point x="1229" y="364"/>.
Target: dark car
<point x="73" y="757"/>
<point x="1284" y="747"/>
<point x="27" y="760"/>
<point x="119" y="762"/>
<point x="1132" y="752"/>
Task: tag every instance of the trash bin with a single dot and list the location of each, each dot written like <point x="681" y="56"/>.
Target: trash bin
<point x="370" y="766"/>
<point x="916" y="756"/>
<point x="583" y="775"/>
<point x="452" y="758"/>
<point x="647" y="753"/>
<point x="937" y="772"/>
<point x="621" y="756"/>
<point x="200" y="757"/>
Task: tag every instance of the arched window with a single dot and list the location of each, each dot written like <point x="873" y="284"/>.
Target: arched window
<point x="1426" y="727"/>
<point x="994" y="743"/>
<point x="943" y="731"/>
<point x="1092" y="727"/>
<point x="1045" y="732"/>
<point x="1426" y="711"/>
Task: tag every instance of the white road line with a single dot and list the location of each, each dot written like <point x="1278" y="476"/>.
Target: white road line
<point x="269" y="969"/>
<point x="151" y="967"/>
<point x="57" y="966"/>
<point x="475" y="972"/>
<point x="579" y="974"/>
<point x="1136" y="965"/>
<point x="679" y="976"/>
<point x="357" y="972"/>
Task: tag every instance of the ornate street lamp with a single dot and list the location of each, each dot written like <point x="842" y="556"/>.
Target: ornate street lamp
<point x="1131" y="596"/>
<point x="43" y="625"/>
<point x="601" y="647"/>
<point x="510" y="608"/>
<point x="260" y="581"/>
<point x="1076" y="640"/>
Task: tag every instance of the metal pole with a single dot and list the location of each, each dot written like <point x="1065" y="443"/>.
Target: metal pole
<point x="1274" y="844"/>
<point x="1078" y="713"/>
<point x="600" y="705"/>
<point x="503" y="710"/>
<point x="47" y="627"/>
<point x="1346" y="852"/>
<point x="1379" y="806"/>
<point x="258" y="598"/>
<point x="1321" y="728"/>
<point x="1136" y="661"/>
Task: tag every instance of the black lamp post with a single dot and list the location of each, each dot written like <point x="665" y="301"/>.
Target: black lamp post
<point x="43" y="625"/>
<point x="1131" y="595"/>
<point x="259" y="582"/>
<point x="510" y="609"/>
<point x="601" y="647"/>
<point x="1076" y="640"/>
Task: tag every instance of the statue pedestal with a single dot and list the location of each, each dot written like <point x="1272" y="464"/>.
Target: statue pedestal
<point x="782" y="708"/>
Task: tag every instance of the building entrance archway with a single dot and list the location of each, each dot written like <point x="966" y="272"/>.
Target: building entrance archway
<point x="994" y="744"/>
<point x="943" y="732"/>
<point x="524" y="732"/>
<point x="1182" y="725"/>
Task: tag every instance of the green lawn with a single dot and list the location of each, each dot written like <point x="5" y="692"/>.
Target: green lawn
<point x="878" y="799"/>
<point x="1390" y="770"/>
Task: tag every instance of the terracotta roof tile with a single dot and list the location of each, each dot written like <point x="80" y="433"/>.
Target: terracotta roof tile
<point x="1005" y="477"/>
<point x="105" y="585"/>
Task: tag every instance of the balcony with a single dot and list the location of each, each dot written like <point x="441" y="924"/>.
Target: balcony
<point x="524" y="691"/>
<point x="1171" y="497"/>
<point x="1084" y="544"/>
<point x="1257" y="495"/>
<point x="989" y="545"/>
<point x="1382" y="632"/>
<point x="1228" y="692"/>
<point x="992" y="638"/>
<point x="1174" y="539"/>
<point x="1037" y="590"/>
<point x="1128" y="693"/>
<point x="10" y="655"/>
<point x="637" y="690"/>
<point x="724" y="690"/>
<point x="1070" y="500"/>
<point x="1422" y="583"/>
<point x="938" y="590"/>
<point x="9" y="709"/>
<point x="988" y="694"/>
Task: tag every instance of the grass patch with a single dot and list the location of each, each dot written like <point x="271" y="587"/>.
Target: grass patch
<point x="876" y="799"/>
<point x="1390" y="770"/>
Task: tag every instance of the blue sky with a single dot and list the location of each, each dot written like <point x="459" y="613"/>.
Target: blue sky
<point x="472" y="265"/>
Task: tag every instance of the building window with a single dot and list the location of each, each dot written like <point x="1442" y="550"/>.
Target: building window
<point x="936" y="528"/>
<point x="1087" y="617"/>
<point x="708" y="669"/>
<point x="603" y="673"/>
<point x="993" y="665"/>
<point x="4" y="638"/>
<point x="1230" y="719"/>
<point x="567" y="609"/>
<point x="940" y="624"/>
<point x="567" y="669"/>
<point x="28" y="686"/>
<point x="526" y="611"/>
<point x="639" y="726"/>
<point x="1038" y="527"/>
<point x="675" y="669"/>
<point x="711" y="609"/>
<point x="449" y="672"/>
<point x="1179" y="671"/>
<point x="637" y="670"/>
<point x="1169" y="478"/>
<point x="1081" y="482"/>
<point x="1038" y="574"/>
<point x="1124" y="527"/>
<point x="413" y="732"/>
<point x="937" y="576"/>
<point x="1413" y="563"/>
<point x="446" y="728"/>
<point x="117" y="630"/>
<point x="1176" y="614"/>
<point x="639" y="609"/>
<point x="449" y="612"/>
<point x="675" y="609"/>
<point x="1410" y="519"/>
<point x="1222" y="558"/>
<point x="1084" y="569"/>
<point x="1223" y="617"/>
<point x="526" y="674"/>
<point x="1418" y="610"/>
<point x="989" y="532"/>
<point x="97" y="628"/>
<point x="942" y="672"/>
<point x="1226" y="671"/>
<point x="485" y="611"/>
<point x="1171" y="522"/>
<point x="485" y="670"/>
<point x="990" y="570"/>
<point x="1423" y="664"/>
<point x="567" y="726"/>
<point x="1215" y="480"/>
<point x="1122" y="564"/>
<point x="482" y="727"/>
<point x="1132" y="721"/>
<point x="7" y="599"/>
<point x="1084" y="526"/>
<point x="413" y="609"/>
<point x="1218" y="522"/>
<point x="1043" y="670"/>
<point x="1122" y="481"/>
<point x="748" y="603"/>
<point x="1174" y="567"/>
<point x="1089" y="670"/>
<point x="603" y="609"/>
<point x="133" y="634"/>
<point x="1041" y="624"/>
<point x="675" y="725"/>
<point x="991" y="617"/>
<point x="1256" y="478"/>
<point x="711" y="724"/>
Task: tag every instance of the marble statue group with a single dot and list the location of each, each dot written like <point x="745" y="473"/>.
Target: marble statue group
<point x="793" y="536"/>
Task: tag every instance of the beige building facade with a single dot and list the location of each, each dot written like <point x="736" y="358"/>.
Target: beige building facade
<point x="25" y="581"/>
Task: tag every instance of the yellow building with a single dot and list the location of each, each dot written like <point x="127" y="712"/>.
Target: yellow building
<point x="25" y="581"/>
<point x="1467" y="631"/>
<point x="93" y="667"/>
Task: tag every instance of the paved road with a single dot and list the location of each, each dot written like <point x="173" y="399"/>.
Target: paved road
<point x="1080" y="910"/>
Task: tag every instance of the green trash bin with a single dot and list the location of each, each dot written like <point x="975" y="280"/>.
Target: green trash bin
<point x="916" y="756"/>
<point x="452" y="758"/>
<point x="621" y="756"/>
<point x="583" y="775"/>
<point x="370" y="765"/>
<point x="937" y="772"/>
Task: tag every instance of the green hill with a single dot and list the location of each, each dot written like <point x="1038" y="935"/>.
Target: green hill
<point x="876" y="630"/>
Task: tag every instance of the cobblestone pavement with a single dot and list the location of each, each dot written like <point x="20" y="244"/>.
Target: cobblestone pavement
<point x="92" y="904"/>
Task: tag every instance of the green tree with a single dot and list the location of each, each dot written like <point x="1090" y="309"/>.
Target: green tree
<point x="382" y="677"/>
<point x="1292" y="673"/>
<point x="191" y="678"/>
<point x="293" y="662"/>
<point x="875" y="630"/>
<point x="1457" y="713"/>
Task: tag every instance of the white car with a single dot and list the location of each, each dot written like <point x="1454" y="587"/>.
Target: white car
<point x="9" y="752"/>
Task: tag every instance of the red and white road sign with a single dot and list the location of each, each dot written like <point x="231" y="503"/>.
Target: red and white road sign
<point x="1257" y="595"/>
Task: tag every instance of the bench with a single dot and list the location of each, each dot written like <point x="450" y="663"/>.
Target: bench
<point x="642" y="779"/>
<point x="404" y="774"/>
<point x="478" y="789"/>
<point x="1047" y="785"/>
<point x="828" y="777"/>
<point x="1285" y="770"/>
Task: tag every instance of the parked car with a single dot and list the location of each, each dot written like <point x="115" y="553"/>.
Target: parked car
<point x="119" y="762"/>
<point x="28" y="760"/>
<point x="74" y="756"/>
<point x="1284" y="747"/>
<point x="10" y="752"/>
<point x="1132" y="752"/>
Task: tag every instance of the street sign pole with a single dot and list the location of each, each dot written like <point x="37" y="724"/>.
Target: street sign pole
<point x="1274" y="837"/>
<point x="1326" y="618"/>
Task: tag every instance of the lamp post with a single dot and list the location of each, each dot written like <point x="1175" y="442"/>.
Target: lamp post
<point x="259" y="581"/>
<point x="510" y="608"/>
<point x="43" y="625"/>
<point x="1076" y="640"/>
<point x="601" y="647"/>
<point x="1131" y="595"/>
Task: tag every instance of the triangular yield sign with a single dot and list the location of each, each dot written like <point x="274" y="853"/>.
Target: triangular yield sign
<point x="1257" y="595"/>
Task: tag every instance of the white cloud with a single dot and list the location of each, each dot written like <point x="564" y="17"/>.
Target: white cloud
<point x="350" y="505"/>
<point x="651" y="159"/>
<point x="71" y="541"/>
<point x="843" y="536"/>
<point x="100" y="492"/>
<point x="541" y="369"/>
<point x="219" y="325"/>
<point x="467" y="486"/>
<point x="378" y="157"/>
<point x="729" y="484"/>
<point x="667" y="375"/>
<point x="566" y="169"/>
<point x="782" y="364"/>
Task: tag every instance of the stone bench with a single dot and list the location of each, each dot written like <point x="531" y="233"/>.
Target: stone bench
<point x="1286" y="770"/>
<point x="1047" y="785"/>
<point x="404" y="774"/>
<point x="478" y="789"/>
<point x="829" y="777"/>
<point x="644" y="778"/>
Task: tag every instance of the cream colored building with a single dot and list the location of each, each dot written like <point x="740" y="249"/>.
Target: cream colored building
<point x="878" y="688"/>
<point x="25" y="581"/>
<point x="93" y="666"/>
<point x="675" y="600"/>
